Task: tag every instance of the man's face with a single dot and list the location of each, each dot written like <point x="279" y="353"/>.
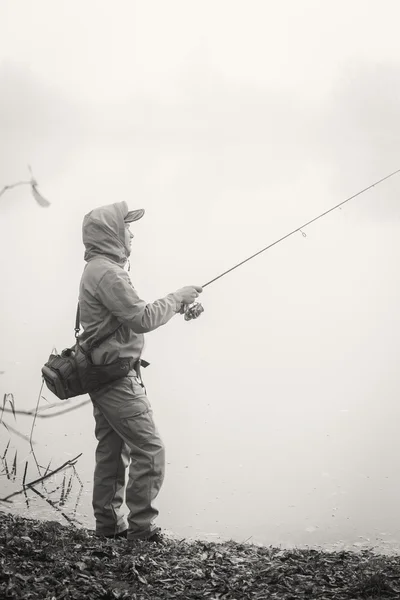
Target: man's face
<point x="128" y="238"/>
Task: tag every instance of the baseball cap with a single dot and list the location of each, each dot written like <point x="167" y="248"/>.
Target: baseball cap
<point x="134" y="215"/>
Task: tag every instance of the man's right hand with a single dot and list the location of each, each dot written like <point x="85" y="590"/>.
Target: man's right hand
<point x="188" y="294"/>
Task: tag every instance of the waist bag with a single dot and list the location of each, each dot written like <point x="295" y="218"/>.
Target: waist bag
<point x="72" y="373"/>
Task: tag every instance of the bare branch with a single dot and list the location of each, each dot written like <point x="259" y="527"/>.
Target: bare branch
<point x="13" y="185"/>
<point x="68" y="463"/>
<point x="35" y="193"/>
<point x="33" y="411"/>
<point x="19" y="434"/>
<point x="37" y="406"/>
<point x="54" y="505"/>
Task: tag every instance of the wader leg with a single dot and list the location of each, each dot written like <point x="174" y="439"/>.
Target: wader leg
<point x="126" y="407"/>
<point x="112" y="458"/>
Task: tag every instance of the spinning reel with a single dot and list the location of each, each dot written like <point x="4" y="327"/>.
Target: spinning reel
<point x="192" y="311"/>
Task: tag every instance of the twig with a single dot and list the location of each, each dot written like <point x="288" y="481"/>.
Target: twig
<point x="35" y="193"/>
<point x="22" y="435"/>
<point x="13" y="185"/>
<point x="80" y="491"/>
<point x="37" y="405"/>
<point x="48" y="466"/>
<point x="77" y="476"/>
<point x="14" y="467"/>
<point x="36" y="461"/>
<point x="26" y="467"/>
<point x="2" y="408"/>
<point x="68" y="463"/>
<point x="39" y="467"/>
<point x="26" y="499"/>
<point x="247" y="539"/>
<point x="35" y="411"/>
<point x="6" y="469"/>
<point x="6" y="450"/>
<point x="54" y="505"/>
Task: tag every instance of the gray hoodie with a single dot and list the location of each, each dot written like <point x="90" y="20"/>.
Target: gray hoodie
<point x="107" y="299"/>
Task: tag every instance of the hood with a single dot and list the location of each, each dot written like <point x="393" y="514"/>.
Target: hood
<point x="103" y="232"/>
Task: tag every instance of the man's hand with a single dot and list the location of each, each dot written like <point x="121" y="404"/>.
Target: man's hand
<point x="187" y="295"/>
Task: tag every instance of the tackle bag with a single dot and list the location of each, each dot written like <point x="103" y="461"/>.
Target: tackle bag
<point x="72" y="373"/>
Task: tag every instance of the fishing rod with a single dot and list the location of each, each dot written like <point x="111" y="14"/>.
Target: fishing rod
<point x="195" y="310"/>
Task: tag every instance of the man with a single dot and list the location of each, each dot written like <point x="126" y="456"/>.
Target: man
<point x="124" y="428"/>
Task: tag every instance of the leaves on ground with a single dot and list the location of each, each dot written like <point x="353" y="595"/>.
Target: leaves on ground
<point x="46" y="560"/>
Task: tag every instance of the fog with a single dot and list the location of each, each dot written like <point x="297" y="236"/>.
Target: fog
<point x="231" y="124"/>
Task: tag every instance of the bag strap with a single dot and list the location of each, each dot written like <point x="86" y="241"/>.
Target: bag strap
<point x="98" y="342"/>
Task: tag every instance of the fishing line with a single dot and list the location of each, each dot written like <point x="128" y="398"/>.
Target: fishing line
<point x="195" y="310"/>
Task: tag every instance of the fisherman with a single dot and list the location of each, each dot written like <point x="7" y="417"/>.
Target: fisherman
<point x="124" y="425"/>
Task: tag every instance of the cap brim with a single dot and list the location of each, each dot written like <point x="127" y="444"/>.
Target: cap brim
<point x="134" y="215"/>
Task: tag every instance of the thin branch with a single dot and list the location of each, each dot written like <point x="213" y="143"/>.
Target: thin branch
<point x="80" y="491"/>
<point x="13" y="185"/>
<point x="68" y="463"/>
<point x="35" y="193"/>
<point x="48" y="467"/>
<point x="6" y="450"/>
<point x="26" y="467"/>
<point x="21" y="435"/>
<point x="37" y="405"/>
<point x="26" y="499"/>
<point x="2" y="408"/>
<point x="54" y="505"/>
<point x="35" y="411"/>
<point x="37" y="462"/>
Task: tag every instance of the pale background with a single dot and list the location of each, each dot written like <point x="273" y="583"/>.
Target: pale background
<point x="231" y="123"/>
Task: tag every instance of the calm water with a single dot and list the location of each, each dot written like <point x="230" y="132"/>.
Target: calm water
<point x="280" y="418"/>
<point x="280" y="486"/>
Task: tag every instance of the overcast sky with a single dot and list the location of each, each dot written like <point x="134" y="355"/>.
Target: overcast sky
<point x="231" y="123"/>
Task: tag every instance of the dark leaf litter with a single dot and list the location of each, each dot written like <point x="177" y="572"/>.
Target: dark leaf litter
<point x="42" y="560"/>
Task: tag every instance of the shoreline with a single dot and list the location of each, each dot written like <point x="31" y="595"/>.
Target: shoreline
<point x="48" y="560"/>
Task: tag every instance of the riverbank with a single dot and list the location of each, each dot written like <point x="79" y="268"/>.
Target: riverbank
<point x="46" y="560"/>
